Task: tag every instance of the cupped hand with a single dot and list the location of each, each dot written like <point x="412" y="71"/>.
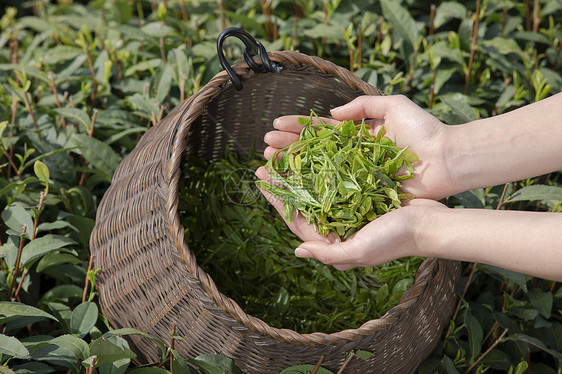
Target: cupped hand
<point x="389" y="237"/>
<point x="405" y="123"/>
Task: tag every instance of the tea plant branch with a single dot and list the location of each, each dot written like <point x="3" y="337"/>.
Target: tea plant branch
<point x="18" y="258"/>
<point x="92" y="72"/>
<point x="472" y="47"/>
<point x="90" y="134"/>
<point x="183" y="11"/>
<point x="496" y="324"/>
<point x="42" y="195"/>
<point x="496" y="342"/>
<point x="54" y="89"/>
<point x="348" y="359"/>
<point x="8" y="155"/>
<point x="431" y="19"/>
<point x="318" y="364"/>
<point x="461" y="299"/>
<point x="13" y="109"/>
<point x="87" y="282"/>
<point x="92" y="367"/>
<point x="28" y="104"/>
<point x="536" y="19"/>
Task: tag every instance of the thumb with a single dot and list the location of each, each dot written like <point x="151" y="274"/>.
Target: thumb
<point x="363" y="107"/>
<point x="338" y="253"/>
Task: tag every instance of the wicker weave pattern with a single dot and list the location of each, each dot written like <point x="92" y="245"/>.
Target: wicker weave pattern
<point x="150" y="280"/>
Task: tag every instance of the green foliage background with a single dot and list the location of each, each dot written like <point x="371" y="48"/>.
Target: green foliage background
<point x="80" y="82"/>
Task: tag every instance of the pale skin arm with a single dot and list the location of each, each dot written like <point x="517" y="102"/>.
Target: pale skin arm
<point x="520" y="144"/>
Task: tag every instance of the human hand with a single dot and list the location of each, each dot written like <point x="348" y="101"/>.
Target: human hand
<point x="405" y="123"/>
<point x="391" y="236"/>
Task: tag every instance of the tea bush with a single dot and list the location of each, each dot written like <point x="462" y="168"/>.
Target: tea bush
<point x="80" y="82"/>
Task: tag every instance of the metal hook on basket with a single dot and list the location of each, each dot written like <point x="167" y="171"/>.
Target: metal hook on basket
<point x="253" y="48"/>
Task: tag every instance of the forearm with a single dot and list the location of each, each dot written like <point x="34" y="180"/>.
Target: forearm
<point x="526" y="242"/>
<point x="520" y="144"/>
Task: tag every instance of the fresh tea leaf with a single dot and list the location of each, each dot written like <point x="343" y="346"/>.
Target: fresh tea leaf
<point x="11" y="346"/>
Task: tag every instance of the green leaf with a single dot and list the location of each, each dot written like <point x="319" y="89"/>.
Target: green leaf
<point x="74" y="344"/>
<point x="215" y="364"/>
<point x="78" y="115"/>
<point x="11" y="346"/>
<point x="83" y="318"/>
<point x="143" y="66"/>
<point x="459" y="108"/>
<point x="43" y="245"/>
<point x="497" y="359"/>
<point x="42" y="171"/>
<point x="332" y="33"/>
<point x="401" y="20"/>
<point x="64" y="292"/>
<point x="118" y="366"/>
<point x="447" y="10"/>
<point x="365" y="355"/>
<point x="517" y="278"/>
<point x="32" y="368"/>
<point x="108" y="352"/>
<point x="542" y="301"/>
<point x="131" y="331"/>
<point x="15" y="217"/>
<point x="521" y="368"/>
<point x="536" y="342"/>
<point x="475" y="333"/>
<point x="164" y="84"/>
<point x="61" y="53"/>
<point x="178" y="364"/>
<point x="537" y="192"/>
<point x="504" y="46"/>
<point x="11" y="310"/>
<point x="56" y="258"/>
<point x="449" y="365"/>
<point x="305" y="369"/>
<point x="469" y="199"/>
<point x="157" y="29"/>
<point x="97" y="153"/>
<point x="6" y="370"/>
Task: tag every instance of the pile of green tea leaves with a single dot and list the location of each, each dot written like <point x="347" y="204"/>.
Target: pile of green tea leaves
<point x="339" y="177"/>
<point x="242" y="242"/>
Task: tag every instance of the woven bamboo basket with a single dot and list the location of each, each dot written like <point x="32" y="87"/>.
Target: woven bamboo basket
<point x="151" y="281"/>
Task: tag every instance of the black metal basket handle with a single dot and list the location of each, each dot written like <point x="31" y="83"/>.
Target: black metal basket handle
<point x="253" y="48"/>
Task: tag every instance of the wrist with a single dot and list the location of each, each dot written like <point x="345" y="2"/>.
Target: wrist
<point x="428" y="227"/>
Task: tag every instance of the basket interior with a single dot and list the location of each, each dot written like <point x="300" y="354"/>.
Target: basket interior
<point x="240" y="119"/>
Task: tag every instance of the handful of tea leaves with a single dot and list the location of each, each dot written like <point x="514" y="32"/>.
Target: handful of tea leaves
<point x="339" y="177"/>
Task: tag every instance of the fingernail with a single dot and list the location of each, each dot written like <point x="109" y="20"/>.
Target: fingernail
<point x="336" y="108"/>
<point x="265" y="137"/>
<point x="275" y="121"/>
<point x="303" y="253"/>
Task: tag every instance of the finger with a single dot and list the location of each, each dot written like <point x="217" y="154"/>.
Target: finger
<point x="367" y="107"/>
<point x="262" y="174"/>
<point x="375" y="125"/>
<point x="337" y="254"/>
<point x="280" y="139"/>
<point x="290" y="124"/>
<point x="270" y="151"/>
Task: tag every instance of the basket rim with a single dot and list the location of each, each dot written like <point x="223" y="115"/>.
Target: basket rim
<point x="192" y="110"/>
